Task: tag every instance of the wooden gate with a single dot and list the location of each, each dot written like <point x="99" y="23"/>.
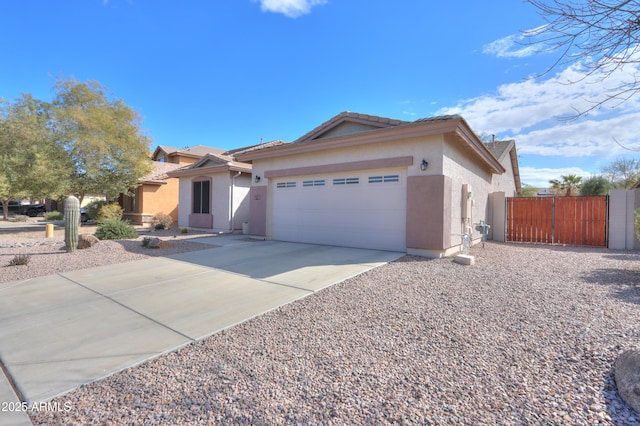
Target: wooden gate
<point x="579" y="221"/>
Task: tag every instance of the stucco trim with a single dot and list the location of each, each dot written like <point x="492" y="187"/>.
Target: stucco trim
<point x="382" y="163"/>
<point x="209" y="170"/>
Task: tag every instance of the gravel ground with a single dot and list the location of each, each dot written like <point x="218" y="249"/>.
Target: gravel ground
<point x="528" y="335"/>
<point x="49" y="255"/>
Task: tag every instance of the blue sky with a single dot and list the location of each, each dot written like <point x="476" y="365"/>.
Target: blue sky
<point x="229" y="73"/>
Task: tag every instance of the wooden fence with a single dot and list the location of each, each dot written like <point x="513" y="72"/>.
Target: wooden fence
<point x="580" y="221"/>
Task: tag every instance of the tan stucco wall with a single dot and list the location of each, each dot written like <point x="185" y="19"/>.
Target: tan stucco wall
<point x="505" y="182"/>
<point x="448" y="157"/>
<point x="429" y="213"/>
<point x="464" y="169"/>
<point x="160" y="199"/>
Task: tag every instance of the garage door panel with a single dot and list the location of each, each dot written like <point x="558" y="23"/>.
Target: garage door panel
<point x="366" y="214"/>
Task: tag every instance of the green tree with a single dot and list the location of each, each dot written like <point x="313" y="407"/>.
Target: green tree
<point x="32" y="165"/>
<point x="595" y="185"/>
<point x="103" y="138"/>
<point x="528" y="191"/>
<point x="622" y="173"/>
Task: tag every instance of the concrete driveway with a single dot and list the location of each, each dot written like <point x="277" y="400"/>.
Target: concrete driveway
<point x="61" y="331"/>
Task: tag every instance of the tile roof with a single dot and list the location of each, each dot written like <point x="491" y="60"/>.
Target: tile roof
<point x="159" y="172"/>
<point x="349" y="116"/>
<point x="244" y="150"/>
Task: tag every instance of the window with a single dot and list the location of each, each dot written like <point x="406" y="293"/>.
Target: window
<point x="319" y="182"/>
<point x="201" y="197"/>
<point x="346" y="181"/>
<point x="286" y="185"/>
<point x="384" y="179"/>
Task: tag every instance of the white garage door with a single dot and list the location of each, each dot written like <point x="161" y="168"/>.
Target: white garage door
<point x="362" y="209"/>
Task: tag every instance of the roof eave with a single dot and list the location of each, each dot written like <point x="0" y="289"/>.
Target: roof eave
<point x="416" y="129"/>
<point x="221" y="168"/>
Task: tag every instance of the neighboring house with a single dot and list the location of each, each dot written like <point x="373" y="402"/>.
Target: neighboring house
<point x="373" y="182"/>
<point x="158" y="193"/>
<point x="185" y="156"/>
<point x="213" y="192"/>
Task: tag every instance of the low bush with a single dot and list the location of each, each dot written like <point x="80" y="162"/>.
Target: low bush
<point x="115" y="229"/>
<point x="100" y="211"/>
<point x="162" y="219"/>
<point x="54" y="215"/>
<point x="109" y="212"/>
<point x="183" y="230"/>
<point x="145" y="241"/>
<point x="159" y="226"/>
<point x="20" y="259"/>
<point x="93" y="208"/>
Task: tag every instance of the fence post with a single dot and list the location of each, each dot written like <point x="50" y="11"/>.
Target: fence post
<point x="497" y="215"/>
<point x="621" y="219"/>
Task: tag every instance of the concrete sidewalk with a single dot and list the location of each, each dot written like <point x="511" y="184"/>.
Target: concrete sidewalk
<point x="61" y="331"/>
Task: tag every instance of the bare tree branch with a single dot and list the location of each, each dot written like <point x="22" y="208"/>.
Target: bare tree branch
<point x="602" y="36"/>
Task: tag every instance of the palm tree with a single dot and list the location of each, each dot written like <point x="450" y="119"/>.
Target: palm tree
<point x="568" y="184"/>
<point x="571" y="183"/>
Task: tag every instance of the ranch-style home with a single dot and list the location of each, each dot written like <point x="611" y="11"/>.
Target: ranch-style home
<point x="356" y="181"/>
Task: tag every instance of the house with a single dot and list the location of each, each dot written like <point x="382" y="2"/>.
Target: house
<point x="157" y="192"/>
<point x="213" y="192"/>
<point x="366" y="181"/>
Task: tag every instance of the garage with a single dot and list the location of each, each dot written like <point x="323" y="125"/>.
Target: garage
<point x="364" y="209"/>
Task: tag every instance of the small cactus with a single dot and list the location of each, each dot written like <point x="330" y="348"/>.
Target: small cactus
<point x="72" y="221"/>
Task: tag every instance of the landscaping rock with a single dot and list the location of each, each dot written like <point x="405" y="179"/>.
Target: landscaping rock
<point x="154" y="242"/>
<point x="628" y="378"/>
<point x="87" y="240"/>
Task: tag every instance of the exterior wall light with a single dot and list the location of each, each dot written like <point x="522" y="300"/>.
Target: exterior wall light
<point x="257" y="179"/>
<point x="423" y="165"/>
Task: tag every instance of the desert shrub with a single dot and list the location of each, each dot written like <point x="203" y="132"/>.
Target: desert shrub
<point x="115" y="229"/>
<point x="162" y="219"/>
<point x="183" y="230"/>
<point x="159" y="226"/>
<point x="20" y="259"/>
<point x="108" y="212"/>
<point x="145" y="241"/>
<point x="54" y="215"/>
<point x="100" y="210"/>
<point x="93" y="208"/>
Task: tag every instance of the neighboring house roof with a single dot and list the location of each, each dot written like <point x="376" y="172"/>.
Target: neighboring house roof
<point x="350" y="129"/>
<point x="500" y="149"/>
<point x="158" y="175"/>
<point x="211" y="163"/>
<point x="194" y="151"/>
<point x="246" y="149"/>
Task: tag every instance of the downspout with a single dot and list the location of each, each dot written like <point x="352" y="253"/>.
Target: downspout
<point x="231" y="215"/>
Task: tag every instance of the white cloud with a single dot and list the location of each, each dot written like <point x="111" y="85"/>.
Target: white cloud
<point x="510" y="47"/>
<point x="290" y="8"/>
<point x="528" y="111"/>
<point x="540" y="177"/>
